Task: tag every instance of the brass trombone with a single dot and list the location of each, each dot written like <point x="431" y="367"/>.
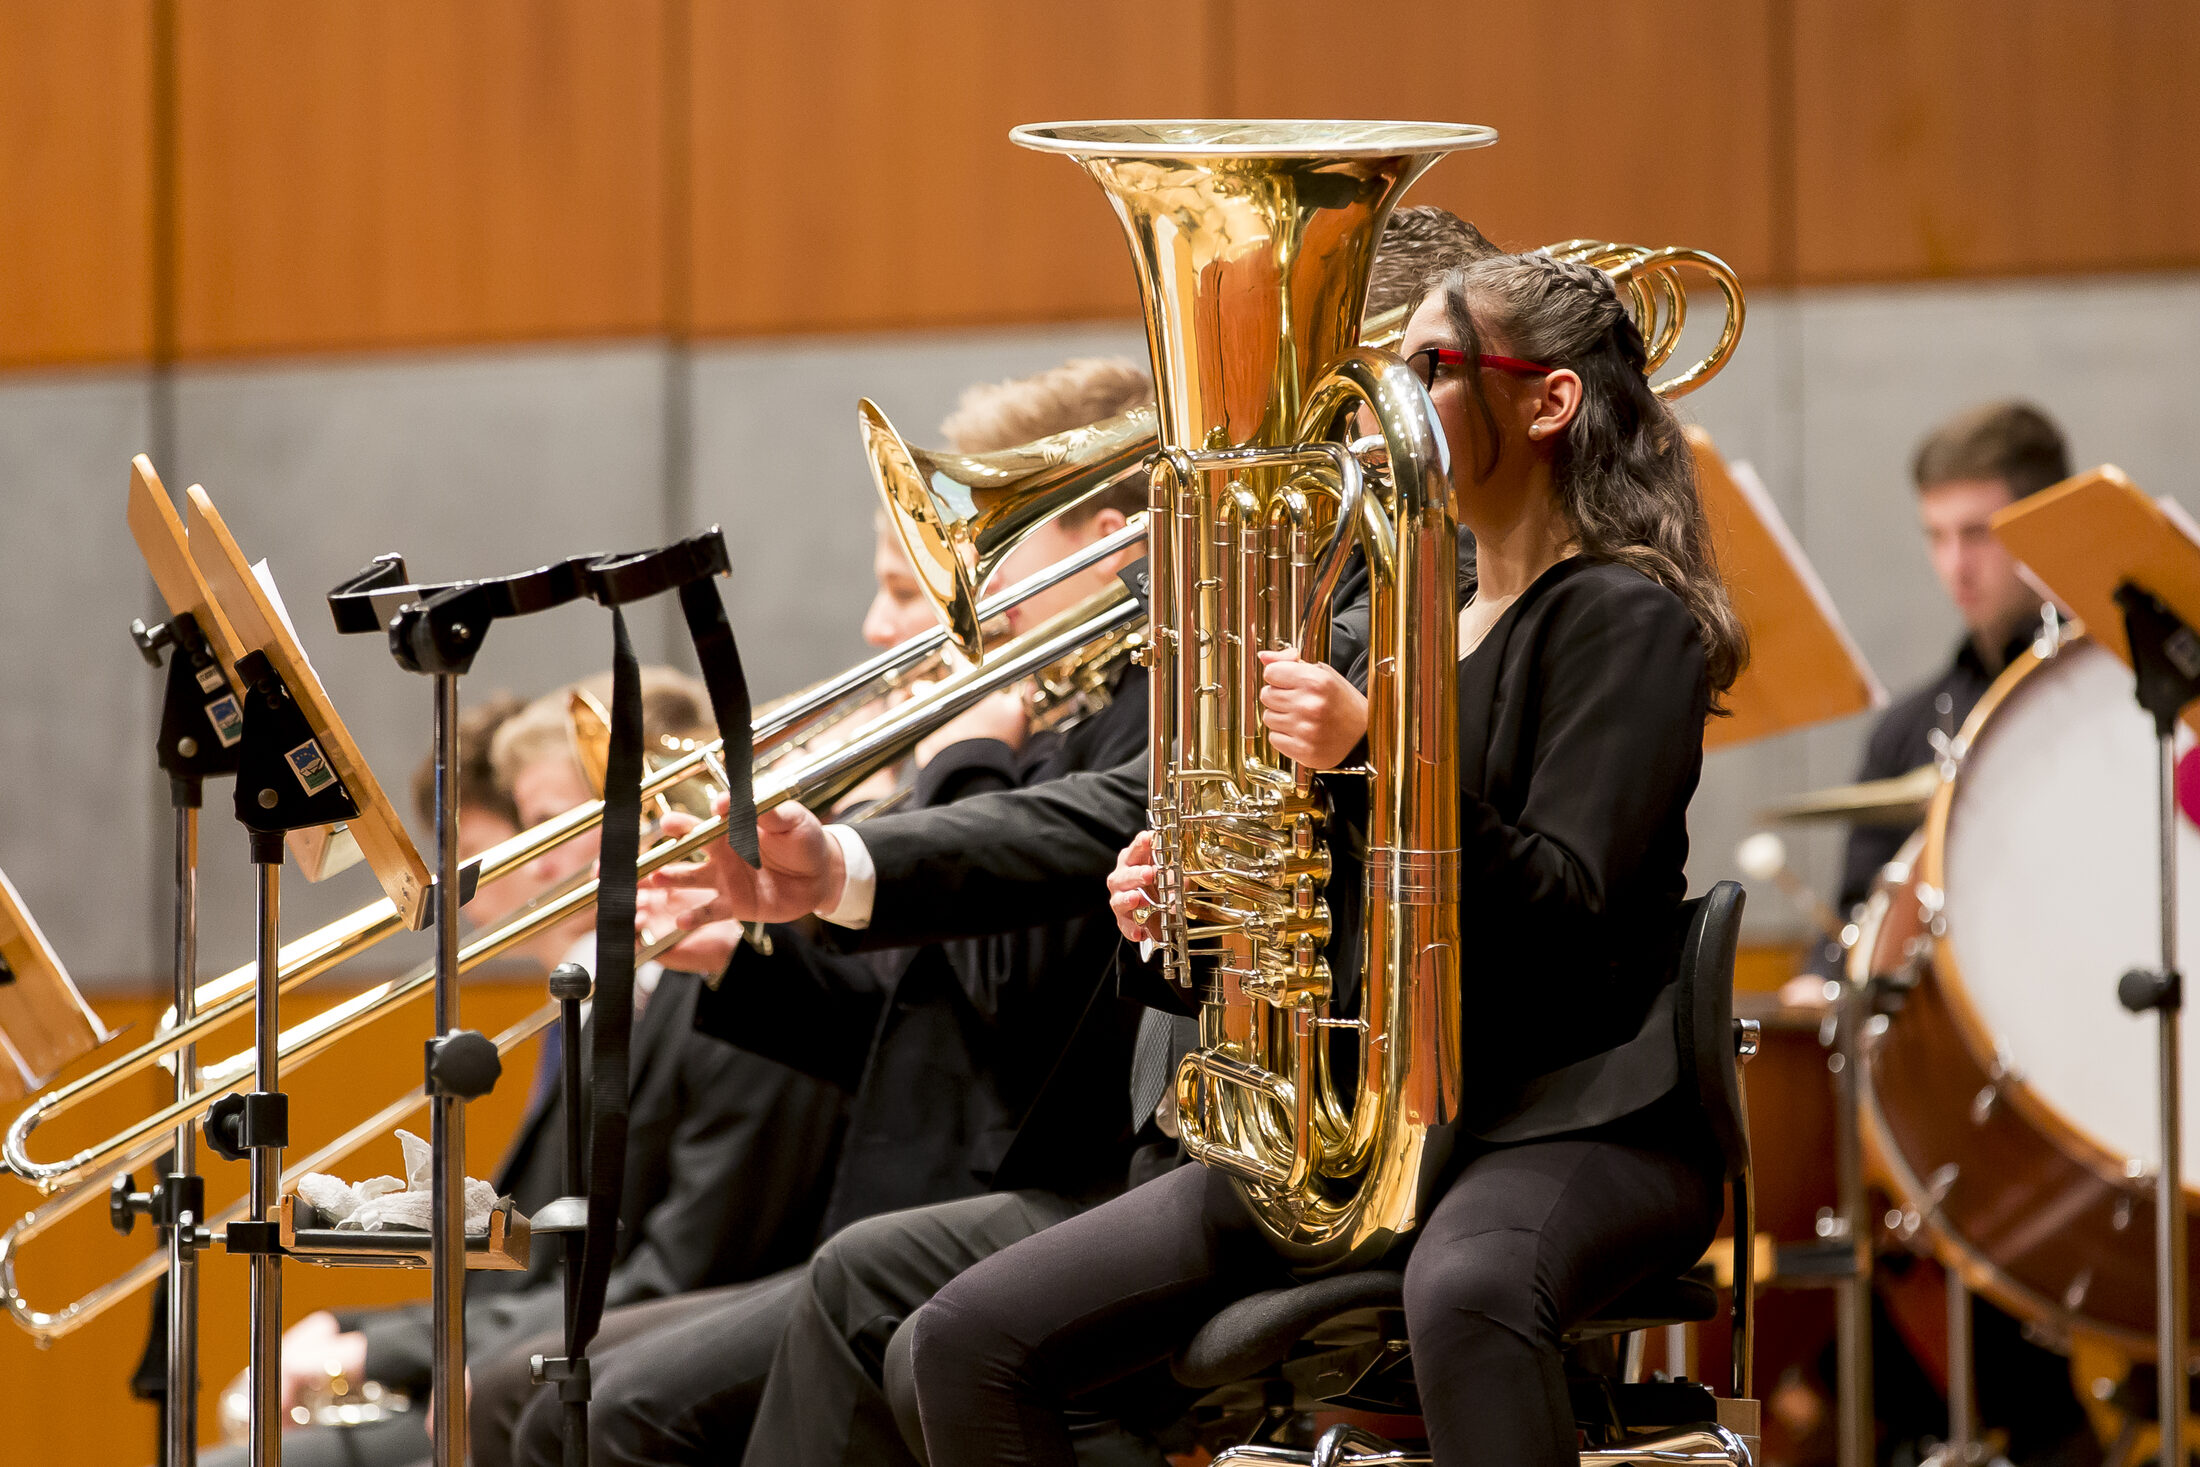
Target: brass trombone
<point x="1098" y="626"/>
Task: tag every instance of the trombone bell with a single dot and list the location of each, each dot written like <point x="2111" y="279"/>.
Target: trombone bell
<point x="959" y="514"/>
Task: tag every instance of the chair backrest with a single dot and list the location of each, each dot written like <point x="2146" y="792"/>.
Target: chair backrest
<point x="1704" y="1015"/>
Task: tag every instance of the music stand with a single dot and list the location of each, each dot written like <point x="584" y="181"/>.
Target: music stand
<point x="201" y="727"/>
<point x="2129" y="569"/>
<point x="320" y="850"/>
<point x="297" y="767"/>
<point x="44" y="1021"/>
<point x="259" y="627"/>
<point x="1804" y="667"/>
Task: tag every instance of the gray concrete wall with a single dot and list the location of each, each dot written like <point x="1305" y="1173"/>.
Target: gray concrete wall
<point x="474" y="463"/>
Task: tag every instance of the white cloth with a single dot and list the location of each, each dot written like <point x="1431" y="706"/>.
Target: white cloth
<point x="859" y="892"/>
<point x="385" y="1202"/>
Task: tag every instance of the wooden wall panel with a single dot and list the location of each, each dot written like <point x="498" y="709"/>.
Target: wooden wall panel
<point x="358" y="174"/>
<point x="852" y="168"/>
<point x="1615" y="120"/>
<point x="72" y="1403"/>
<point x="365" y="173"/>
<point x="75" y="181"/>
<point x="2007" y="137"/>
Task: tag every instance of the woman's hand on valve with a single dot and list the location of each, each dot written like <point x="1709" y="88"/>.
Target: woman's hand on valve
<point x="1130" y="890"/>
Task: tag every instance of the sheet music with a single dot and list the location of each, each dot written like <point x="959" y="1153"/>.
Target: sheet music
<point x="2179" y="516"/>
<point x="266" y="578"/>
<point x="1744" y="475"/>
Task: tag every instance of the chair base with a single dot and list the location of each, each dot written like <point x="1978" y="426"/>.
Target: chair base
<point x="1707" y="1444"/>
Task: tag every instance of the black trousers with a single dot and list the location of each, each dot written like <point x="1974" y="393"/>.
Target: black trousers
<point x="788" y="1367"/>
<point x="822" y="1405"/>
<point x="1525" y="1240"/>
<point x="647" y="1402"/>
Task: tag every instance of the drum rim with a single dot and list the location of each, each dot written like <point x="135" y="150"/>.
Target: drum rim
<point x="2016" y="1088"/>
<point x="1950" y="1248"/>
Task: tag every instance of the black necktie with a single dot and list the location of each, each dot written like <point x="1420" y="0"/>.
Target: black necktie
<point x="1163" y="1041"/>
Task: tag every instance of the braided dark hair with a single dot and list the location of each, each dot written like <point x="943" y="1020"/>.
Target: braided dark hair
<point x="1624" y="476"/>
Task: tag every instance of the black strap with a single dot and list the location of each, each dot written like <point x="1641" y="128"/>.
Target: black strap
<point x="692" y="566"/>
<point x="612" y="1021"/>
<point x="720" y="660"/>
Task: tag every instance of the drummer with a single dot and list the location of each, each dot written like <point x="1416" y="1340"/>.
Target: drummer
<point x="1965" y="470"/>
<point x="1969" y="467"/>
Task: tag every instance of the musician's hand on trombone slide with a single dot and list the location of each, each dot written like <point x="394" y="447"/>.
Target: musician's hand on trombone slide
<point x="803" y="871"/>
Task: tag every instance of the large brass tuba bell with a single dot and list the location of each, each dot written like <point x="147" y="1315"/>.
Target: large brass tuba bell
<point x="1253" y="243"/>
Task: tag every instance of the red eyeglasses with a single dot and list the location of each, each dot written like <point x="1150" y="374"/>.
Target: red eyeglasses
<point x="1429" y="358"/>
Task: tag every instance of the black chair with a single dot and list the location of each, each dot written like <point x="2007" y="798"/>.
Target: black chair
<point x="1340" y="1341"/>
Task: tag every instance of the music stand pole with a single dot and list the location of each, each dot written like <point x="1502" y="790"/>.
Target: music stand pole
<point x="267" y="1159"/>
<point x="447" y="1121"/>
<point x="182" y="1416"/>
<point x="200" y="729"/>
<point x="2165" y="655"/>
<point x="437" y="630"/>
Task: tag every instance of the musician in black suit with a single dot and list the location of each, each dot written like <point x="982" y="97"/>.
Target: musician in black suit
<point x="975" y="1069"/>
<point x="707" y="1123"/>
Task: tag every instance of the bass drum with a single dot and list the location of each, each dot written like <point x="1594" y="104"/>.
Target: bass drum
<point x="2010" y="1104"/>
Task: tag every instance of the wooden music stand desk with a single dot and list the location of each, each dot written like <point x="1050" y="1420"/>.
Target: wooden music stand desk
<point x="320" y="850"/>
<point x="259" y="627"/>
<point x="1804" y="668"/>
<point x="2087" y="535"/>
<point x="44" y="1021"/>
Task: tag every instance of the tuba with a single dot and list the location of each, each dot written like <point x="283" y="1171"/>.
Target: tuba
<point x="1253" y="243"/>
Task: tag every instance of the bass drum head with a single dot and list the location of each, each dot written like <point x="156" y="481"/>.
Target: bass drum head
<point x="2049" y="866"/>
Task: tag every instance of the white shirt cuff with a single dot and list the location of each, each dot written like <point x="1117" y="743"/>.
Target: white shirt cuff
<point x="859" y="892"/>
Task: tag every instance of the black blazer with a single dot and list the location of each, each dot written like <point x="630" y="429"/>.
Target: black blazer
<point x="971" y="1065"/>
<point x="727" y="1161"/>
<point x="1581" y="721"/>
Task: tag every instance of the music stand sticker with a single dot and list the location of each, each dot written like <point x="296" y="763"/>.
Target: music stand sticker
<point x="44" y="1021"/>
<point x="1804" y="667"/>
<point x="2079" y="539"/>
<point x="321" y="850"/>
<point x="261" y="627"/>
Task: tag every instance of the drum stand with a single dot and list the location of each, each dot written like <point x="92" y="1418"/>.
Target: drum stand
<point x="1963" y="1447"/>
<point x="200" y="730"/>
<point x="2165" y="655"/>
<point x="1853" y="1422"/>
